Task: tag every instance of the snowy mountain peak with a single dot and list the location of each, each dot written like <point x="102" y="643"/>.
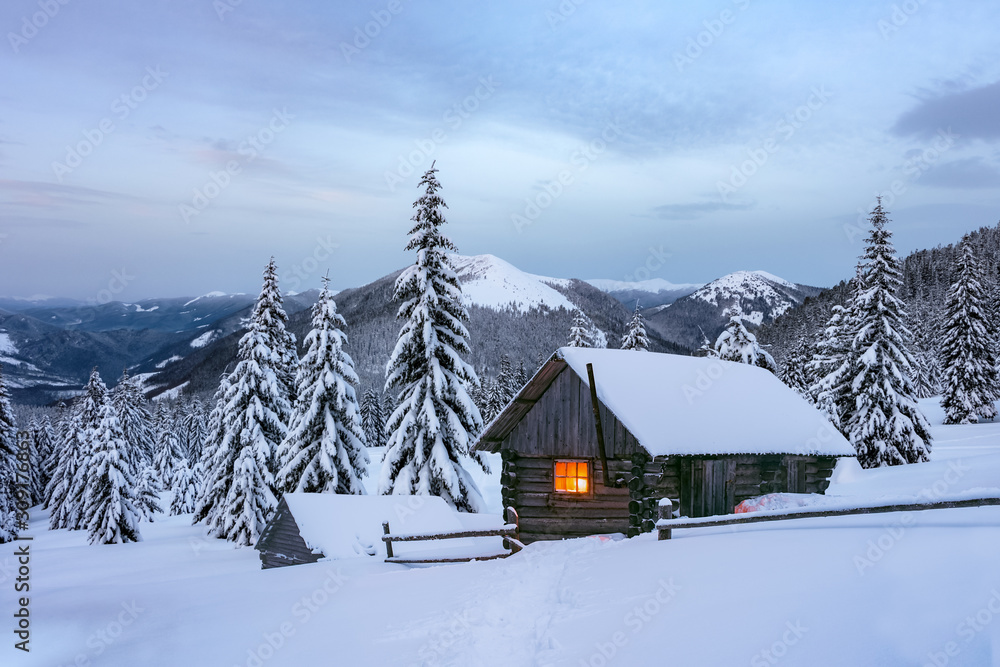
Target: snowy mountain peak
<point x="752" y="295"/>
<point x="490" y="282"/>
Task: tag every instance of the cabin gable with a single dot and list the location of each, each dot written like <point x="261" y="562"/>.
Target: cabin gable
<point x="560" y="423"/>
<point x="281" y="543"/>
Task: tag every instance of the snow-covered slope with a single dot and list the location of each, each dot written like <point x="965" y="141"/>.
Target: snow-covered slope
<point x="918" y="588"/>
<point x="490" y="282"/>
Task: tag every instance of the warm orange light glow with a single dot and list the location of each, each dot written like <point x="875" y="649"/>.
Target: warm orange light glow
<point x="572" y="476"/>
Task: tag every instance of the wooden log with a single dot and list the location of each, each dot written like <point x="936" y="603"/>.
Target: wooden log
<point x="430" y="561"/>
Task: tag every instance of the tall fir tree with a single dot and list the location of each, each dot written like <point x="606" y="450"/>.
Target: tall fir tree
<point x="795" y="372"/>
<point x="210" y="490"/>
<point x="325" y="449"/>
<point x="254" y="421"/>
<point x="67" y="488"/>
<point x="520" y="376"/>
<point x="167" y="445"/>
<point x="110" y="511"/>
<point x="737" y="344"/>
<point x="635" y="337"/>
<point x="969" y="351"/>
<point x="186" y="482"/>
<point x="133" y="414"/>
<point x="886" y="426"/>
<point x="270" y="310"/>
<point x="433" y="426"/>
<point x="372" y="419"/>
<point x="579" y="332"/>
<point x="506" y="381"/>
<point x="8" y="467"/>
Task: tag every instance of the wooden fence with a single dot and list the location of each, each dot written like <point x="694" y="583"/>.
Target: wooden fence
<point x="666" y="524"/>
<point x="511" y="533"/>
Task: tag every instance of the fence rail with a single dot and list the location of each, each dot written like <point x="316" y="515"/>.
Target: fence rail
<point x="665" y="525"/>
<point x="510" y="531"/>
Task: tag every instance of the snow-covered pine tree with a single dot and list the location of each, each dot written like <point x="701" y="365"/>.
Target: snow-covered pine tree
<point x="213" y="479"/>
<point x="66" y="490"/>
<point x="325" y="449"/>
<point x="737" y="344"/>
<point x="969" y="352"/>
<point x="254" y="421"/>
<point x="8" y="467"/>
<point x="167" y="447"/>
<point x="192" y="430"/>
<point x="886" y="426"/>
<point x="795" y="372"/>
<point x="133" y="414"/>
<point x="37" y="460"/>
<point x="494" y="399"/>
<point x="433" y="426"/>
<point x="520" y="376"/>
<point x="186" y="481"/>
<point x="507" y="385"/>
<point x="110" y="513"/>
<point x="635" y="336"/>
<point x="372" y="419"/>
<point x="270" y="311"/>
<point x="579" y="331"/>
<point x="147" y="493"/>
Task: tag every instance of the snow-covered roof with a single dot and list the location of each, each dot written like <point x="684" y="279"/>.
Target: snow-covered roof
<point x="345" y="526"/>
<point x="679" y="405"/>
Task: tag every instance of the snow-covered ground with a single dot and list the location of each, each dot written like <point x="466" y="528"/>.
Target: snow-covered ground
<point x="918" y="588"/>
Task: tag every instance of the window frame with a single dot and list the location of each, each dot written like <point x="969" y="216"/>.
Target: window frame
<point x="563" y="493"/>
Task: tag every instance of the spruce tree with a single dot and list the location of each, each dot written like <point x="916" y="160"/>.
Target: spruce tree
<point x="579" y="332"/>
<point x="67" y="488"/>
<point x="110" y="512"/>
<point x="886" y="427"/>
<point x="795" y="372"/>
<point x="167" y="447"/>
<point x="372" y="419"/>
<point x="635" y="336"/>
<point x="130" y="404"/>
<point x="325" y="449"/>
<point x="186" y="481"/>
<point x="520" y="377"/>
<point x="270" y="311"/>
<point x="433" y="426"/>
<point x="8" y="468"/>
<point x="737" y="344"/>
<point x="213" y="480"/>
<point x="254" y="421"/>
<point x="147" y="492"/>
<point x="969" y="351"/>
<point x="507" y="386"/>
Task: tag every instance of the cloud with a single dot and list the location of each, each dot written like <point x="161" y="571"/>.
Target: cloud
<point x="42" y="194"/>
<point x="966" y="173"/>
<point x="972" y="114"/>
<point x="695" y="210"/>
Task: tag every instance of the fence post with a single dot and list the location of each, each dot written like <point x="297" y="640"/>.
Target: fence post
<point x="388" y="543"/>
<point x="666" y="512"/>
<point x="513" y="518"/>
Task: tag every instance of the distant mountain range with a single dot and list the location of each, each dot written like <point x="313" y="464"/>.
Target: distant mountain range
<point x="48" y="347"/>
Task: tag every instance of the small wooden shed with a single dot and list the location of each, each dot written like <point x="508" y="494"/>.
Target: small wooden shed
<point x="705" y="433"/>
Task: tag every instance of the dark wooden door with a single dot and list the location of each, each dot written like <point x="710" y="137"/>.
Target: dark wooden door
<point x="713" y="486"/>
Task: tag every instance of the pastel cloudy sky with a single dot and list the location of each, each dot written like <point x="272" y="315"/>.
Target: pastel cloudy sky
<point x="903" y="95"/>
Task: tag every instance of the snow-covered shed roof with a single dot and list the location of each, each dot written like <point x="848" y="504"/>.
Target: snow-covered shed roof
<point x="679" y="405"/>
<point x="346" y="526"/>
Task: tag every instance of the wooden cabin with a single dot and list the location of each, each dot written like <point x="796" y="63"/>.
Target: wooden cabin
<point x="705" y="433"/>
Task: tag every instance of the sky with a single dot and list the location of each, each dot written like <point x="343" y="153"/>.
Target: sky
<point x="170" y="147"/>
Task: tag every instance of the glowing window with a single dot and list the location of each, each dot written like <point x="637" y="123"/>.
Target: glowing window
<point x="572" y="476"/>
